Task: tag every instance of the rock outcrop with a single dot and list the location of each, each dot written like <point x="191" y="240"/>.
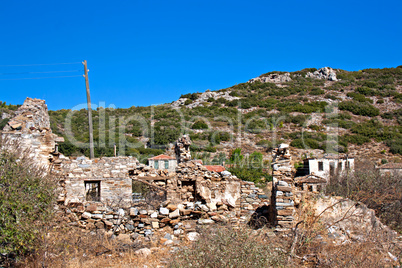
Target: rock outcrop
<point x="326" y="73"/>
<point x="276" y="78"/>
<point x="203" y="97"/>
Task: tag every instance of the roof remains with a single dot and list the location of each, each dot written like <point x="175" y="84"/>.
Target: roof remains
<point x="162" y="157"/>
<point x="215" y="168"/>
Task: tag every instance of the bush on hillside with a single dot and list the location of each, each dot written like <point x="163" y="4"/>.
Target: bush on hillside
<point x="359" y="108"/>
<point x="27" y="197"/>
<point x="200" y="124"/>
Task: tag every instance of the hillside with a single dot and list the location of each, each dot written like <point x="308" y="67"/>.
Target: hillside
<point x="326" y="110"/>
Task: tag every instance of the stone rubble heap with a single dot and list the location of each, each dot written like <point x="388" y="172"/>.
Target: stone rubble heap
<point x="326" y="73"/>
<point x="282" y="186"/>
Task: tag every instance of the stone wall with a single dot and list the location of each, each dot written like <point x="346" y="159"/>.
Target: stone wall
<point x="110" y="172"/>
<point x="282" y="187"/>
<point x="29" y="131"/>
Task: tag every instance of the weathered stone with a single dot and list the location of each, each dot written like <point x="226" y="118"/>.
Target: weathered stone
<point x="86" y="215"/>
<point x="155" y="225"/>
<point x="174" y="214"/>
<point x="100" y="225"/>
<point x="284" y="188"/>
<point x="171" y="207"/>
<point x="205" y="221"/>
<point x="164" y="211"/>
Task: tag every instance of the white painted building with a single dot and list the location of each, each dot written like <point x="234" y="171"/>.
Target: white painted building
<point x="326" y="167"/>
<point x="163" y="162"/>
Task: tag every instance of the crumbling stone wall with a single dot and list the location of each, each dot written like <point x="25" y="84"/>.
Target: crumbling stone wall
<point x="29" y="130"/>
<point x="282" y="200"/>
<point x="182" y="149"/>
<point x="110" y="172"/>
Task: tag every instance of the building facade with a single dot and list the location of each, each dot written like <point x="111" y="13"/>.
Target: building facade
<point x="163" y="162"/>
<point x="326" y="167"/>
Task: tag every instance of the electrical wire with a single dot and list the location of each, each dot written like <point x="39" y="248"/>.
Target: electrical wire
<point x="39" y="64"/>
<point x="43" y="72"/>
<point x="42" y="77"/>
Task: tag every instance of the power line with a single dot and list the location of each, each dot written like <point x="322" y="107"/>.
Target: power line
<point x="43" y="72"/>
<point x="39" y="64"/>
<point x="42" y="77"/>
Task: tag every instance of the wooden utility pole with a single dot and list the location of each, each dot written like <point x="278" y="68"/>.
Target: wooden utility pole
<point x="91" y="135"/>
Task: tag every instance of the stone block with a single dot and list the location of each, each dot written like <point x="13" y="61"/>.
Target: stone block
<point x="174" y="214"/>
<point x="284" y="188"/>
<point x="164" y="211"/>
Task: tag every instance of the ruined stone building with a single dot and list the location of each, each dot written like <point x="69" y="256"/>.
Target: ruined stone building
<point x="392" y="169"/>
<point x="120" y="194"/>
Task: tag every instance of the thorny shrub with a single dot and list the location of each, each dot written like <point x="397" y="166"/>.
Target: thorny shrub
<point x="383" y="193"/>
<point x="27" y="196"/>
<point x="225" y="246"/>
<point x="312" y="246"/>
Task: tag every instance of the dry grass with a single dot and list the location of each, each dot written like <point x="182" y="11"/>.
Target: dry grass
<point x="312" y="246"/>
<point x="72" y="247"/>
<point x="225" y="246"/>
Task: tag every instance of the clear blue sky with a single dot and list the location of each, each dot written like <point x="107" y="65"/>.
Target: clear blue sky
<point x="143" y="52"/>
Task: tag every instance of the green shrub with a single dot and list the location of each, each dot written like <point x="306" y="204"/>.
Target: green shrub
<point x="359" y="97"/>
<point x="346" y="124"/>
<point x="330" y="96"/>
<point x="265" y="143"/>
<point x="317" y="91"/>
<point x="366" y="91"/>
<point x="27" y="197"/>
<point x="305" y="144"/>
<point x="190" y="96"/>
<point x="200" y="124"/>
<point x="315" y="127"/>
<point x="188" y="101"/>
<point x="355" y="139"/>
<point x="218" y="136"/>
<point x="3" y="123"/>
<point x="357" y="108"/>
<point x="165" y="135"/>
<point x="395" y="145"/>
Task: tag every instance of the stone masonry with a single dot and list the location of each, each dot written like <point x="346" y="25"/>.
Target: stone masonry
<point x="282" y="201"/>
